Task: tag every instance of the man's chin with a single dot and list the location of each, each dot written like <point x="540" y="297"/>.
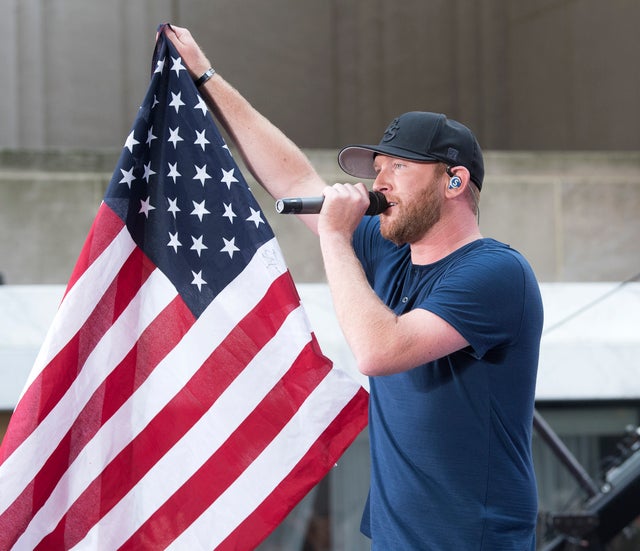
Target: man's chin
<point x="390" y="235"/>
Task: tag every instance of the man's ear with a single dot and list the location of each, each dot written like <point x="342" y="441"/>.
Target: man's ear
<point x="458" y="179"/>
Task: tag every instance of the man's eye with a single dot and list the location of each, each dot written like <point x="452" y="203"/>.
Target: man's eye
<point x="398" y="165"/>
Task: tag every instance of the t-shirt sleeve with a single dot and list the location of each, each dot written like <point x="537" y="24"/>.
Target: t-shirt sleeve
<point x="482" y="297"/>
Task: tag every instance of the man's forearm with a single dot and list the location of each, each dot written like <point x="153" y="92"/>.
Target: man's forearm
<point x="274" y="160"/>
<point x="365" y="320"/>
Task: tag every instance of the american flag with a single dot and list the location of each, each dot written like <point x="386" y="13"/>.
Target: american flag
<point x="180" y="399"/>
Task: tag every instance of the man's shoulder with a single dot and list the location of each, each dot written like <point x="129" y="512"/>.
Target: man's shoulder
<point x="493" y="254"/>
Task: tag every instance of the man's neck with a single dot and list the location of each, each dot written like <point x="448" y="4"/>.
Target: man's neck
<point x="442" y="240"/>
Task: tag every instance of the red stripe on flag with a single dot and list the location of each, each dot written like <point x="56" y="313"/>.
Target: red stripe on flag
<point x="221" y="469"/>
<point x="315" y="464"/>
<point x="172" y="323"/>
<point x="57" y="377"/>
<point x="178" y="416"/>
<point x="106" y="225"/>
<point x="154" y="343"/>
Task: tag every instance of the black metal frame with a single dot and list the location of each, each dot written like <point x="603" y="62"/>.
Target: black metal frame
<point x="608" y="509"/>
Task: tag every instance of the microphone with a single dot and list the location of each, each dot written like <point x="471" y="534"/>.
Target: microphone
<point x="312" y="205"/>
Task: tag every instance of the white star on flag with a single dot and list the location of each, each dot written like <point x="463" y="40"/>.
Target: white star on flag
<point x="229" y="246"/>
<point x="177" y="65"/>
<point x="228" y="177"/>
<point x="201" y="174"/>
<point x="200" y="139"/>
<point x="160" y="66"/>
<point x="228" y="212"/>
<point x="130" y="142"/>
<point x="197" y="280"/>
<point x="148" y="172"/>
<point x="173" y="172"/>
<point x="199" y="210"/>
<point x="173" y="241"/>
<point x="256" y="217"/>
<point x="146" y="207"/>
<point x="127" y="177"/>
<point x="174" y="138"/>
<point x="173" y="206"/>
<point x="150" y="136"/>
<point x="198" y="245"/>
<point x="202" y="106"/>
<point x="176" y="101"/>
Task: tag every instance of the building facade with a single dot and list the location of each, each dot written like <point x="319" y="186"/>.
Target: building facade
<point x="550" y="87"/>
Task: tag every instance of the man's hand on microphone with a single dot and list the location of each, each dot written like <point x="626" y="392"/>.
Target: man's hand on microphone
<point x="343" y="207"/>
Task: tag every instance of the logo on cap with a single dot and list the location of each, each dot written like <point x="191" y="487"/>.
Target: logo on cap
<point x="391" y="130"/>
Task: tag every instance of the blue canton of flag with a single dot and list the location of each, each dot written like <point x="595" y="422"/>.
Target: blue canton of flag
<point x="177" y="186"/>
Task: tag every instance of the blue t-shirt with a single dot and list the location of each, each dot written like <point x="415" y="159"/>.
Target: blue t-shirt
<point x="451" y="464"/>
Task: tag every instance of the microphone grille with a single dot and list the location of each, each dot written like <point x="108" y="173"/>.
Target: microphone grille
<point x="377" y="203"/>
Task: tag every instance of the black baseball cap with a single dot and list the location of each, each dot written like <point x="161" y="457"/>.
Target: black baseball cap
<point x="419" y="136"/>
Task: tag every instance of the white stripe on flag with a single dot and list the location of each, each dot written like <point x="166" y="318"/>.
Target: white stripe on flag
<point x="263" y="475"/>
<point x="80" y="301"/>
<point x="25" y="462"/>
<point x="159" y="388"/>
<point x="205" y="437"/>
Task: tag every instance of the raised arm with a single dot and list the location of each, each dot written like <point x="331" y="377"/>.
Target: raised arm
<point x="273" y="159"/>
<point x="382" y="342"/>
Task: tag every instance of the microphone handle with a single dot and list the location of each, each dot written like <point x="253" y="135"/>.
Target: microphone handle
<point x="299" y="205"/>
<point x="312" y="205"/>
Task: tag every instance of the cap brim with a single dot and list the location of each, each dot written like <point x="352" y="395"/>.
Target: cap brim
<point x="357" y="160"/>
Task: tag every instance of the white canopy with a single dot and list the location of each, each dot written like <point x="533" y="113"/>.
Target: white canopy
<point x="590" y="348"/>
<point x="591" y="342"/>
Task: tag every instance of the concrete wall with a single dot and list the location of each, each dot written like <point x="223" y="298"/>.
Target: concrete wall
<point x="524" y="74"/>
<point x="576" y="216"/>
